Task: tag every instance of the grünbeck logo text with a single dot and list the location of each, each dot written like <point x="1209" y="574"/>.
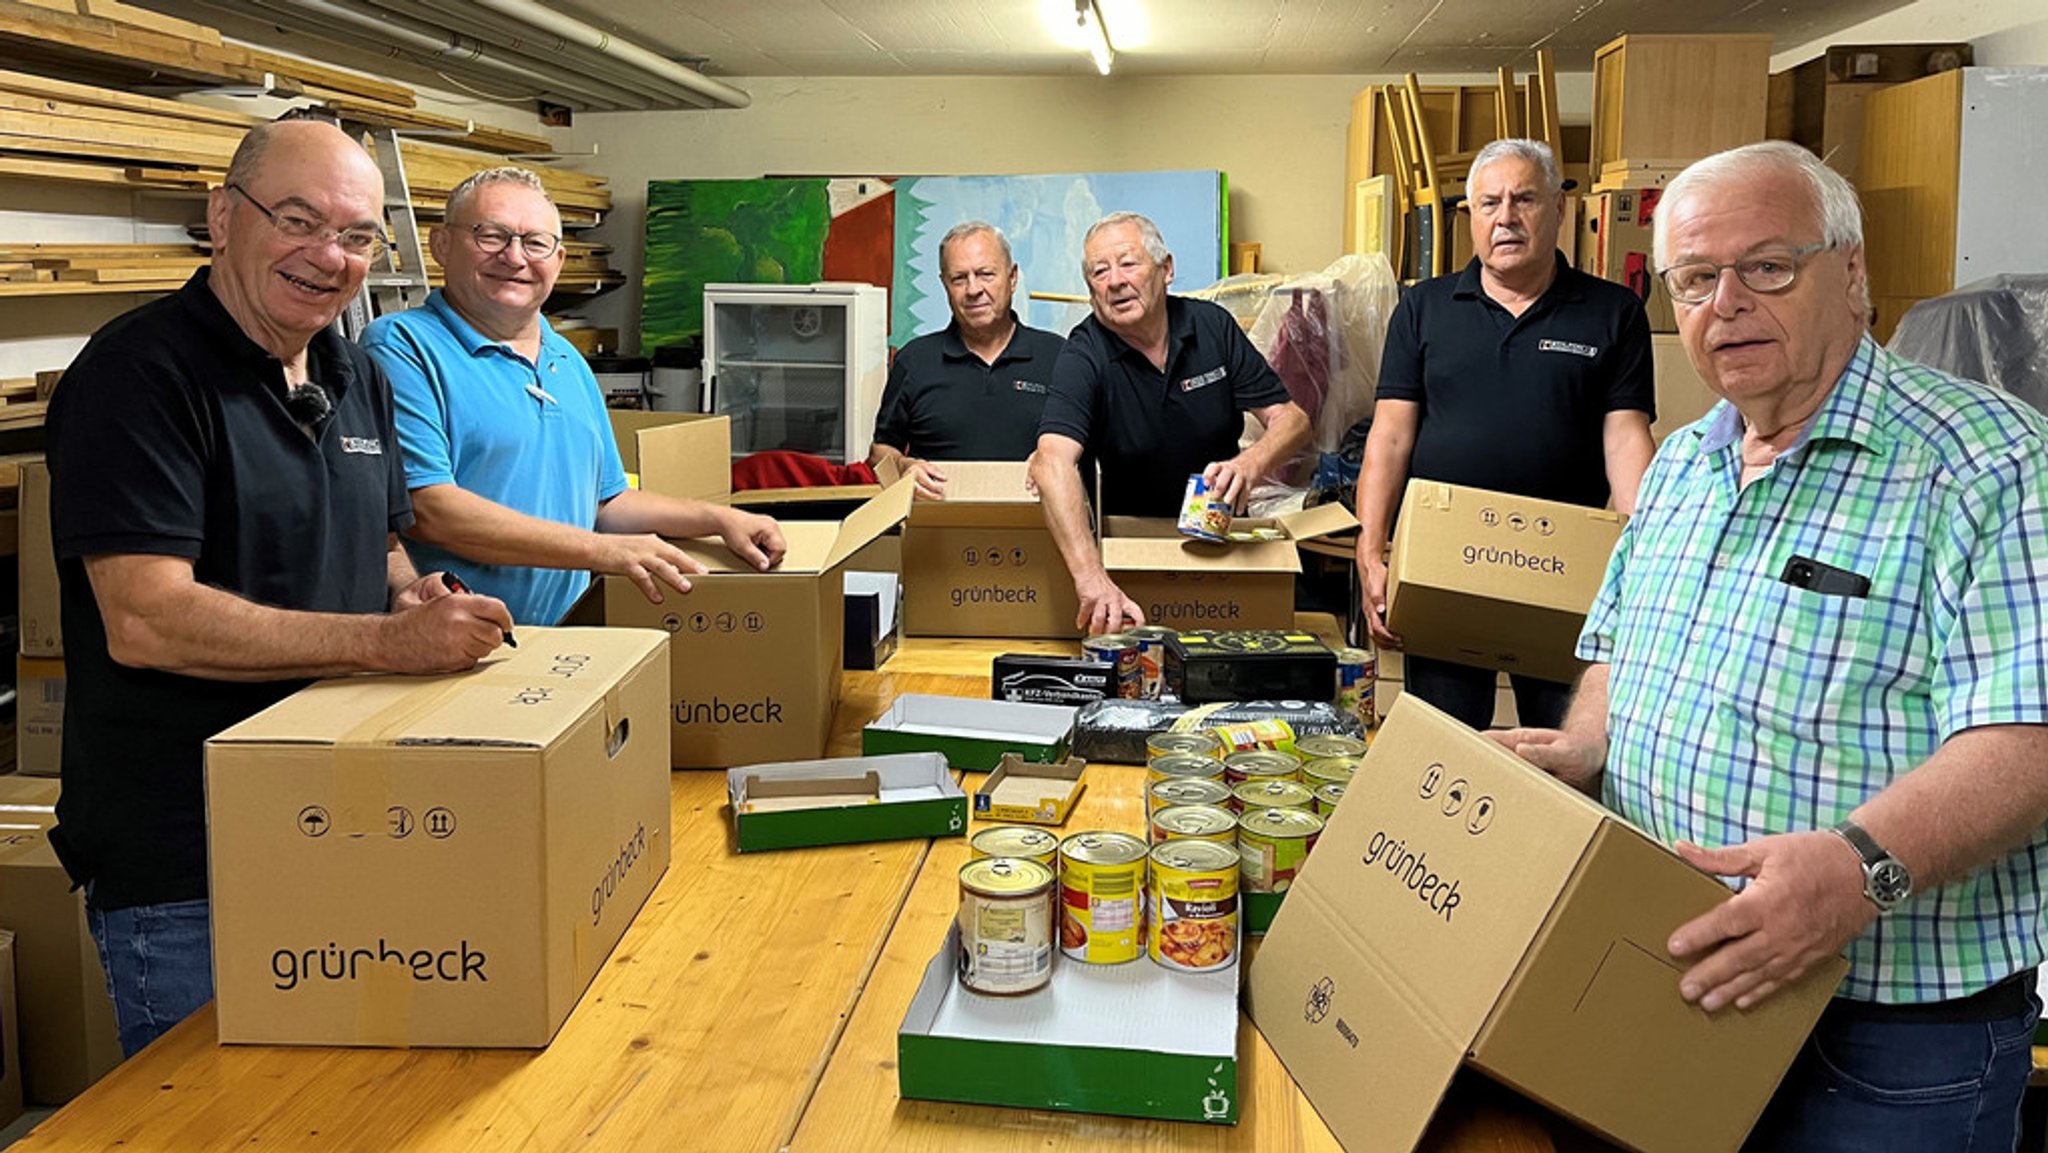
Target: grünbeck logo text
<point x="1412" y="871"/>
<point x="333" y="963"/>
<point x="615" y="872"/>
<point x="719" y="711"/>
<point x="1191" y="611"/>
<point x="993" y="595"/>
<point x="1513" y="558"/>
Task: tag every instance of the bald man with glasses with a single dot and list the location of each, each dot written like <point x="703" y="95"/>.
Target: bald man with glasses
<point x="516" y="483"/>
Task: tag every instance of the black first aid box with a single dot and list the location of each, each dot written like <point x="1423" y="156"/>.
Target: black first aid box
<point x="1203" y="666"/>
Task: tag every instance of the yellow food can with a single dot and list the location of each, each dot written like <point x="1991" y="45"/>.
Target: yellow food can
<point x="1016" y="841"/>
<point x="1192" y="921"/>
<point x="1194" y="823"/>
<point x="1102" y="897"/>
<point x="1271" y="846"/>
<point x="1186" y="791"/>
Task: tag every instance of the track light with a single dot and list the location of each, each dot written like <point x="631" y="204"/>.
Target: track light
<point x="1088" y="17"/>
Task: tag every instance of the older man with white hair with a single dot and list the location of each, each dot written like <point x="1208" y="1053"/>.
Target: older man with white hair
<point x="1519" y="374"/>
<point x="1821" y="670"/>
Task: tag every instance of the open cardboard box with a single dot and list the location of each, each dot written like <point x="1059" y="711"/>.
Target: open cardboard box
<point x="973" y="735"/>
<point x="1464" y="908"/>
<point x="1184" y="583"/>
<point x="1133" y="1039"/>
<point x="981" y="562"/>
<point x="1503" y="582"/>
<point x="1031" y="793"/>
<point x="755" y="657"/>
<point x="844" y="801"/>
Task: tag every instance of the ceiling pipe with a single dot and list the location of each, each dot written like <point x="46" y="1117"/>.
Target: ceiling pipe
<point x="531" y="13"/>
<point x="515" y="36"/>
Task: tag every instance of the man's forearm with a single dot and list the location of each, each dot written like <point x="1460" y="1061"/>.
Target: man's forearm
<point x="1285" y="437"/>
<point x="482" y="530"/>
<point x="1066" y="515"/>
<point x="1981" y="795"/>
<point x="399" y="573"/>
<point x="635" y="511"/>
<point x="882" y="454"/>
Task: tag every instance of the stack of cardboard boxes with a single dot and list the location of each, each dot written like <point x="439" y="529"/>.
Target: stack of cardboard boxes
<point x="39" y="669"/>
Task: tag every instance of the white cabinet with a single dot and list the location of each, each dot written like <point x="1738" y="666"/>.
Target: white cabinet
<point x="797" y="366"/>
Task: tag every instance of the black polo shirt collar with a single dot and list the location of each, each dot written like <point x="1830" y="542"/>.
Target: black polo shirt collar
<point x="1565" y="288"/>
<point x="953" y="346"/>
<point x="1180" y="332"/>
<point x="326" y="364"/>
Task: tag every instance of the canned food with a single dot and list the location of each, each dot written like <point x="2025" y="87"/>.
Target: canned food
<point x="1358" y="674"/>
<point x="1195" y="823"/>
<point x="1327" y="797"/>
<point x="1102" y="897"/>
<point x="1204" y="515"/>
<point x="1260" y="764"/>
<point x="1016" y="841"/>
<point x="1272" y="844"/>
<point x="1005" y="923"/>
<point x="1271" y="793"/>
<point x="1328" y="770"/>
<point x="1266" y="734"/>
<point x="1329" y="745"/>
<point x="1186" y="791"/>
<point x="1121" y="653"/>
<point x="1193" y="921"/>
<point x="1194" y="744"/>
<point x="1183" y="766"/>
<point x="1151" y="657"/>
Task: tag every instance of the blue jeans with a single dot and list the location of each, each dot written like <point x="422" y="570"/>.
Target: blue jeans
<point x="159" y="963"/>
<point x="1467" y="693"/>
<point x="1870" y="1086"/>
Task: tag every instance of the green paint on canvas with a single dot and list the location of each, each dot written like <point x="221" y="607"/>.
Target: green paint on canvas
<point x="725" y="231"/>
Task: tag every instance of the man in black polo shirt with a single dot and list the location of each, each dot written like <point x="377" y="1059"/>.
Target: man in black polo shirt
<point x="1519" y="374"/>
<point x="1154" y="388"/>
<point x="226" y="493"/>
<point x="975" y="390"/>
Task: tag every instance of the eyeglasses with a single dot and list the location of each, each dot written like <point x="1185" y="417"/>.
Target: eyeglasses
<point x="495" y="238"/>
<point x="364" y="242"/>
<point x="1774" y="271"/>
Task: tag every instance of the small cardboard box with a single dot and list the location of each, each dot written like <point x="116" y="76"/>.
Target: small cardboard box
<point x="1614" y="244"/>
<point x="755" y="657"/>
<point x="981" y="562"/>
<point x="1035" y="794"/>
<point x="10" y="1050"/>
<point x="874" y="618"/>
<point x="1504" y="582"/>
<point x="1682" y="394"/>
<point x="39" y="716"/>
<point x="42" y="623"/>
<point x="438" y="860"/>
<point x="972" y="735"/>
<point x="1465" y="907"/>
<point x="844" y="801"/>
<point x="67" y="1036"/>
<point x="1184" y="583"/>
<point x="1133" y="1040"/>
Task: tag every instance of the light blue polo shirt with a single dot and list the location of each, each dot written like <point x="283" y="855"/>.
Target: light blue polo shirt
<point x="532" y="437"/>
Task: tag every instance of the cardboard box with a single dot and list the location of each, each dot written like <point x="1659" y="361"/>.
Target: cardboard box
<point x="438" y="860"/>
<point x="1133" y="1040"/>
<point x="628" y="424"/>
<point x="68" y="1039"/>
<point x="39" y="716"/>
<point x="1682" y="394"/>
<point x="42" y="623"/>
<point x="10" y="1050"/>
<point x="755" y="657"/>
<point x="1183" y="583"/>
<point x="1614" y="244"/>
<point x="1034" y="794"/>
<point x="844" y="801"/>
<point x="1504" y="582"/>
<point x="981" y="562"/>
<point x="971" y="734"/>
<point x="1465" y="907"/>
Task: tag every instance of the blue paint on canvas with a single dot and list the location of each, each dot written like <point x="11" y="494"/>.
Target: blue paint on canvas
<point x="1045" y="217"/>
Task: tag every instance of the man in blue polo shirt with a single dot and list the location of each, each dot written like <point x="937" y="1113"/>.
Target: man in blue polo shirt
<point x="516" y="482"/>
<point x="1154" y="388"/>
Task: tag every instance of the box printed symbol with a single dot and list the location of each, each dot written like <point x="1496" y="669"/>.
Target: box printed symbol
<point x="670" y="622"/>
<point x="401" y="821"/>
<point x="313" y="821"/>
<point x="727" y="622"/>
<point x="1454" y="797"/>
<point x="971" y="557"/>
<point x="752" y="622"/>
<point x="1544" y="526"/>
<point x="995" y="556"/>
<point x="1432" y="779"/>
<point x="700" y="622"/>
<point x="1482" y="816"/>
<point x="1320" y="998"/>
<point x="1488" y="517"/>
<point x="1517" y="521"/>
<point x="1017" y="557"/>
<point x="440" y="823"/>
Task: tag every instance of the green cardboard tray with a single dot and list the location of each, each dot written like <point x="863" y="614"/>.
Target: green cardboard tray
<point x="916" y="796"/>
<point x="971" y="734"/>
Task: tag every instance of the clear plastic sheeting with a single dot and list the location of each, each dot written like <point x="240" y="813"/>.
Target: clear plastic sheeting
<point x="1994" y="330"/>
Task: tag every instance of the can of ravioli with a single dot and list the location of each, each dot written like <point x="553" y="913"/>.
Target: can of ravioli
<point x="1330" y="745"/>
<point x="1192" y="924"/>
<point x="1260" y="765"/>
<point x="1016" y="841"/>
<point x="1173" y="791"/>
<point x="1005" y="924"/>
<point x="1327" y="797"/>
<point x="1328" y="771"/>
<point x="1358" y="674"/>
<point x="1272" y="844"/>
<point x="1271" y="793"/>
<point x="1194" y="744"/>
<point x="1204" y="515"/>
<point x="1120" y="653"/>
<point x="1151" y="657"/>
<point x="1183" y="766"/>
<point x="1194" y="822"/>
<point x="1102" y="897"/>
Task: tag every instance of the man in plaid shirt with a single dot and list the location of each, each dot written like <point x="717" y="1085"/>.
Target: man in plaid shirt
<point x="1821" y="671"/>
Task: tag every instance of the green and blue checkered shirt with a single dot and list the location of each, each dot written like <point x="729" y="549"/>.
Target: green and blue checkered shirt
<point x="1741" y="706"/>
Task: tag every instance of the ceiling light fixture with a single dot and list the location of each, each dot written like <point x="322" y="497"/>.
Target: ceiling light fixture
<point x="1088" y="17"/>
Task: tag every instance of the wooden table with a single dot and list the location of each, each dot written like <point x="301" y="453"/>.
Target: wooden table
<point x="752" y="1005"/>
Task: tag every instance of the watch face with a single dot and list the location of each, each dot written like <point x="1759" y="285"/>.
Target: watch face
<point x="1890" y="883"/>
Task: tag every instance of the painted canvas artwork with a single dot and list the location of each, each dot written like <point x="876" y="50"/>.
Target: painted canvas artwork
<point x="1045" y="217"/>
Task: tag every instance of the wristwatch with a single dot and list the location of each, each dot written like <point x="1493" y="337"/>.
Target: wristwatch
<point x="1885" y="881"/>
